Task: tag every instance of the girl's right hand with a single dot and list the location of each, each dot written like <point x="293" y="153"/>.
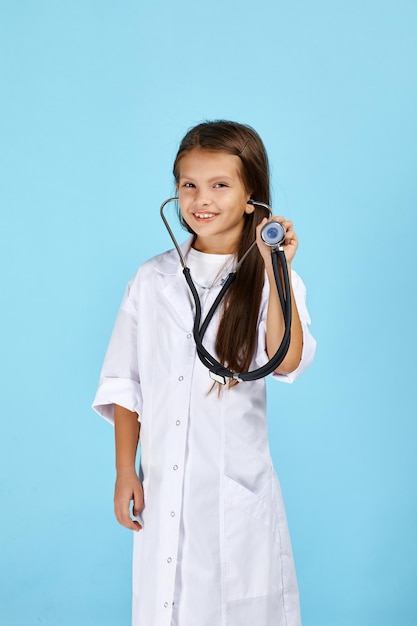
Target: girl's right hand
<point x="128" y="488"/>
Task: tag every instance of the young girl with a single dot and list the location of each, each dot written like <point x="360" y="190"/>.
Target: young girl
<point x="212" y="545"/>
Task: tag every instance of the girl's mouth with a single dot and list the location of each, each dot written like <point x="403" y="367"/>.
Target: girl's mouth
<point x="204" y="217"/>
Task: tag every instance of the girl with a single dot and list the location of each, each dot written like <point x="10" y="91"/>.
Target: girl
<point x="212" y="545"/>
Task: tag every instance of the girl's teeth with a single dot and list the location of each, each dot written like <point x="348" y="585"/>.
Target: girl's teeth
<point x="204" y="215"/>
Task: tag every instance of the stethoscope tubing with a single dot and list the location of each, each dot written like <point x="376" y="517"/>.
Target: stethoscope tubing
<point x="217" y="368"/>
<point x="218" y="371"/>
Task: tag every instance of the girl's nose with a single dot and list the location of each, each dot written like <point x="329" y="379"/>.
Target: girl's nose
<point x="203" y="200"/>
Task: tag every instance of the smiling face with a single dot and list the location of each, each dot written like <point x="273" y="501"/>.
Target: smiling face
<point x="213" y="199"/>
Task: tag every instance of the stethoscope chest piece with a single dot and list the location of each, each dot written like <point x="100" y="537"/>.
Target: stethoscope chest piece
<point x="273" y="234"/>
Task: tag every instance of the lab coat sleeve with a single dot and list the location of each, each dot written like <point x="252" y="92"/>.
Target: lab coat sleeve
<point x="119" y="378"/>
<point x="309" y="343"/>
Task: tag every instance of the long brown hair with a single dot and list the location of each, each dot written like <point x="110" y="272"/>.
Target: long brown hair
<point x="236" y="335"/>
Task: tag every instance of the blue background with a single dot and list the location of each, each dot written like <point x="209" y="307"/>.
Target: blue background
<point x="94" y="98"/>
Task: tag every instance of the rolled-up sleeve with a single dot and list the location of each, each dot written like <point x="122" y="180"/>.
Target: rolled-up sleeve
<point x="119" y="378"/>
<point x="309" y="343"/>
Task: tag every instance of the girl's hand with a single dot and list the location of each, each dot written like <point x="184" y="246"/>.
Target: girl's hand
<point x="127" y="488"/>
<point x="290" y="244"/>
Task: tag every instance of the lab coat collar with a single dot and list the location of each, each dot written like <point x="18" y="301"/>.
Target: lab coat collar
<point x="175" y="289"/>
<point x="169" y="262"/>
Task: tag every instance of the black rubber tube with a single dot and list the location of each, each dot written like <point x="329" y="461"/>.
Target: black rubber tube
<point x="284" y="293"/>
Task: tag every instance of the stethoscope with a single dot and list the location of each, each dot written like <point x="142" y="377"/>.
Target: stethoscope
<point x="273" y="234"/>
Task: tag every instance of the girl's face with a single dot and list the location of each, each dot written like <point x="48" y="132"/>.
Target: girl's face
<point x="213" y="199"/>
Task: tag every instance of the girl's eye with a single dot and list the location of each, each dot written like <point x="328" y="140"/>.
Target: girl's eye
<point x="220" y="185"/>
<point x="188" y="185"/>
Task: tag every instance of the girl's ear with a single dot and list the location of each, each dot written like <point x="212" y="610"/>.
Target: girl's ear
<point x="249" y="208"/>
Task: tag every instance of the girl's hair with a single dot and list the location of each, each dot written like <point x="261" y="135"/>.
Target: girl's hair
<point x="236" y="335"/>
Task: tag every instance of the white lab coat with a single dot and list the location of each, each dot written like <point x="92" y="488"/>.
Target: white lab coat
<point x="215" y="548"/>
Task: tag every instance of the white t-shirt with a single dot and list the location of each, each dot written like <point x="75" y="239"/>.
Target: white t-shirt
<point x="208" y="270"/>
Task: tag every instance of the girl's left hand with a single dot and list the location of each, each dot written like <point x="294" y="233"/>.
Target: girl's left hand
<point x="290" y="244"/>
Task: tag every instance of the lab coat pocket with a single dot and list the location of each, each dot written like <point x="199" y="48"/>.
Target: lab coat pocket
<point x="253" y="546"/>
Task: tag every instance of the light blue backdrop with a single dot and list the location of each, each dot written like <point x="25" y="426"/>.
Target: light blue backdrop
<point x="94" y="97"/>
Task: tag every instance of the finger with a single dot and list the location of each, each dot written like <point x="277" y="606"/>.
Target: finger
<point x="137" y="502"/>
<point x="262" y="223"/>
<point x="125" y="520"/>
<point x="122" y="513"/>
<point x="287" y="224"/>
<point x="291" y="237"/>
<point x="136" y="526"/>
<point x="130" y="524"/>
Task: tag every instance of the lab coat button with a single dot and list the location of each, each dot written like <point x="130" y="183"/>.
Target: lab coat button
<point x="189" y="335"/>
<point x="175" y="467"/>
<point x="172" y="513"/>
<point x="180" y="378"/>
<point x="169" y="560"/>
<point x="178" y="422"/>
<point x="165" y="604"/>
